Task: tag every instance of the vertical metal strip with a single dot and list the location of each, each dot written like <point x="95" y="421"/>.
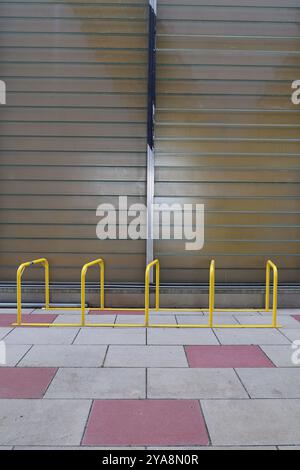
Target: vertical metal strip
<point x="150" y="128"/>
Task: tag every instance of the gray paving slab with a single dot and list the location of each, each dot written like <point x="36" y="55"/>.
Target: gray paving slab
<point x="75" y="318"/>
<point x="239" y="313"/>
<point x="155" y="319"/>
<point x="179" y="312"/>
<point x="65" y="356"/>
<point x="111" y="336"/>
<point x="6" y="448"/>
<point x="251" y="319"/>
<point x="251" y="336"/>
<point x="194" y="383"/>
<point x="98" y="383"/>
<point x="224" y="319"/>
<point x="189" y="336"/>
<point x="288" y="322"/>
<point x="4" y="332"/>
<point x="70" y="318"/>
<point x="43" y="422"/>
<point x="289" y="311"/>
<point x="106" y="319"/>
<point x="203" y="319"/>
<point x="271" y="383"/>
<point x="285" y="321"/>
<point x="146" y="356"/>
<point x="130" y="319"/>
<point x="191" y="319"/>
<point x="281" y="356"/>
<point x="252" y="422"/>
<point x="41" y="335"/>
<point x="14" y="353"/>
<point x="291" y="334"/>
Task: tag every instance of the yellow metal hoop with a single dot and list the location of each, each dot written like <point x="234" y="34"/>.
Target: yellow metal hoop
<point x="42" y="261"/>
<point x="100" y="263"/>
<point x="147" y="288"/>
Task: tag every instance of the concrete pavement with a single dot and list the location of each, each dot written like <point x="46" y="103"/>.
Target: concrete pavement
<point x="162" y="388"/>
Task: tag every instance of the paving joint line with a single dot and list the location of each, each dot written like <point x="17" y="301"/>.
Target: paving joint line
<point x="146" y="385"/>
<point x="75" y="337"/>
<point x="5" y="336"/>
<point x="25" y="354"/>
<point x="216" y="336"/>
<point x="242" y="383"/>
<point x="205" y="423"/>
<point x="186" y="356"/>
<point x="281" y="332"/>
<point x="54" y="375"/>
<point x="87" y="420"/>
<point x="269" y="359"/>
<point x="105" y="356"/>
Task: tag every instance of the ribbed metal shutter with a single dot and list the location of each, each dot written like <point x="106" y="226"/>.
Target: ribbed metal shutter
<point x="227" y="134"/>
<point x="73" y="133"/>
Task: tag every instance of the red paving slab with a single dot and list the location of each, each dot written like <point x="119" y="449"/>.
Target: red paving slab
<point x="7" y="319"/>
<point x="116" y="312"/>
<point x="145" y="422"/>
<point x="297" y="317"/>
<point x="25" y="382"/>
<point x="227" y="356"/>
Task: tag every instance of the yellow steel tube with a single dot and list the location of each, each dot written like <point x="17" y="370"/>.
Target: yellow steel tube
<point x="47" y="287"/>
<point x="211" y="293"/>
<point x="122" y="309"/>
<point x="244" y="310"/>
<point x="268" y="268"/>
<point x="63" y="325"/>
<point x="235" y="326"/>
<point x="19" y="294"/>
<point x="147" y="289"/>
<point x="138" y="325"/>
<point x="102" y="301"/>
<point x="44" y="262"/>
<point x="101" y="264"/>
<point x="157" y="288"/>
<point x="272" y="266"/>
<point x="82" y="294"/>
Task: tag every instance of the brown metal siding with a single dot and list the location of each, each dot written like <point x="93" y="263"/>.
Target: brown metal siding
<point x="227" y="134"/>
<point x="73" y="133"/>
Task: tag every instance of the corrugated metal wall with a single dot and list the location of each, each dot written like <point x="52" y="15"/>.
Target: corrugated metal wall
<point x="227" y="134"/>
<point x="73" y="133"/>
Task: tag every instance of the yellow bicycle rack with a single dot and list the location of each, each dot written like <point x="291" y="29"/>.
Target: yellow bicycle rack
<point x="158" y="309"/>
<point x="213" y="310"/>
<point x="270" y="266"/>
<point x="102" y="308"/>
<point x="154" y="264"/>
<point x="100" y="263"/>
<point x="43" y="262"/>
